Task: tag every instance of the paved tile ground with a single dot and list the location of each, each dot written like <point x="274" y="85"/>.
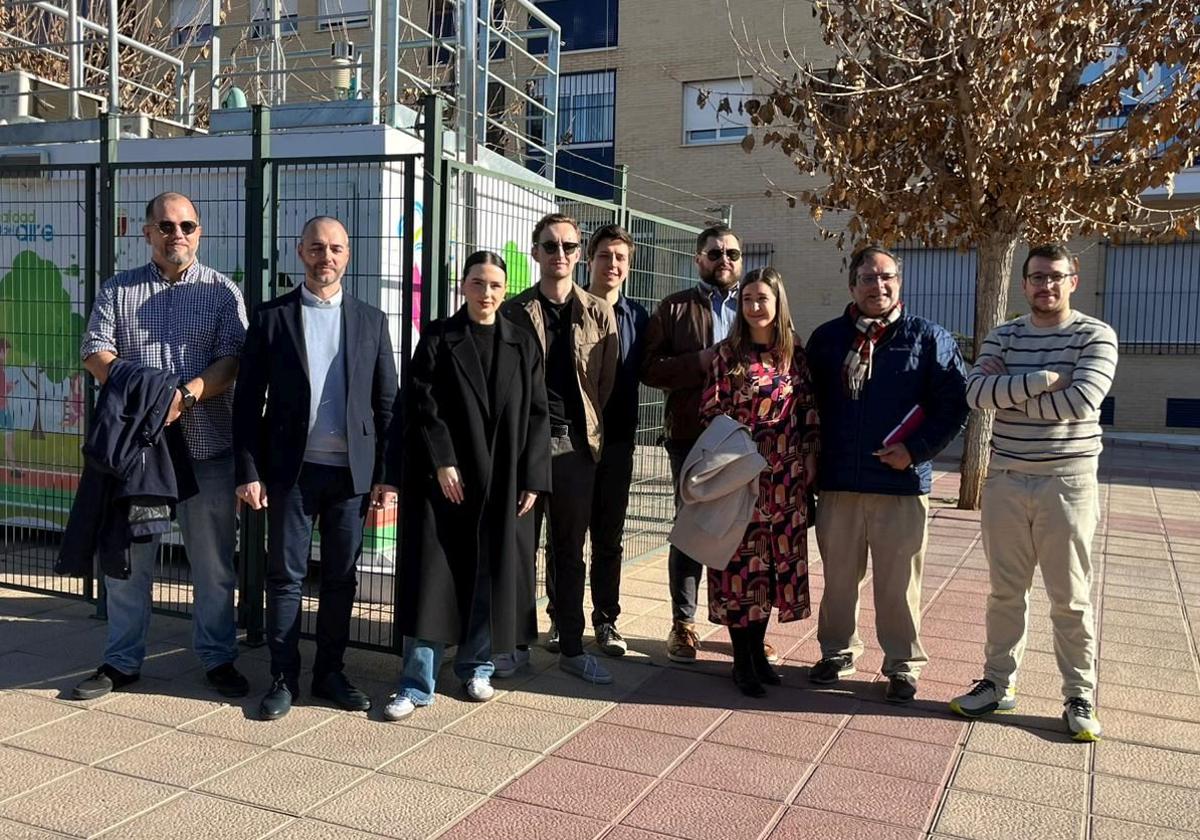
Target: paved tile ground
<point x="668" y="751"/>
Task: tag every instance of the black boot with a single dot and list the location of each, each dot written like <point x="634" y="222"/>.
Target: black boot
<point x="758" y="656"/>
<point x="743" y="665"/>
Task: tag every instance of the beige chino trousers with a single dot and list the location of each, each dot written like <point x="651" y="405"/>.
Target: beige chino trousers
<point x="894" y="530"/>
<point x="1045" y="521"/>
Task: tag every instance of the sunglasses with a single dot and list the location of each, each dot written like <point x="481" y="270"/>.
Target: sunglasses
<point x="167" y="228"/>
<point x="716" y="254"/>
<point x="568" y="248"/>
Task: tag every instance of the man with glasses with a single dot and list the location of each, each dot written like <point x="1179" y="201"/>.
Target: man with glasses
<point x="1045" y="374"/>
<point x="679" y="352"/>
<point x="578" y="335"/>
<point x="178" y="315"/>
<point x="890" y="392"/>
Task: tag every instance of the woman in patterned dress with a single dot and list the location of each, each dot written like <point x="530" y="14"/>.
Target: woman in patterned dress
<point x="760" y="378"/>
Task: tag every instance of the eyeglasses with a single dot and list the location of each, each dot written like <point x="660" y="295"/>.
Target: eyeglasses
<point x="717" y="254"/>
<point x="881" y="277"/>
<point x="1039" y="280"/>
<point x="167" y="228"/>
<point x="552" y="248"/>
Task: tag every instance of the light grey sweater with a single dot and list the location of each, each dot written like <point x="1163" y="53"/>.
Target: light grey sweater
<point x="326" y="348"/>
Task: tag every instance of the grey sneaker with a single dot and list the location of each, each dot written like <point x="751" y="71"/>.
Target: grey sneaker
<point x="586" y="667"/>
<point x="831" y="669"/>
<point x="1081" y="720"/>
<point x="609" y="640"/>
<point x="479" y="689"/>
<point x="552" y="638"/>
<point x="507" y="664"/>
<point x="984" y="698"/>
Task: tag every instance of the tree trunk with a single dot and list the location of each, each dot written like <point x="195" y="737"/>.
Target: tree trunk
<point x="991" y="306"/>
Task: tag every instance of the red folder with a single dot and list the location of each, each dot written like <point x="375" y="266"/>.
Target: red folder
<point x="914" y="418"/>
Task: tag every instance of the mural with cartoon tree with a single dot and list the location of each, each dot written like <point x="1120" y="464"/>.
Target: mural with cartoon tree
<point x="41" y="326"/>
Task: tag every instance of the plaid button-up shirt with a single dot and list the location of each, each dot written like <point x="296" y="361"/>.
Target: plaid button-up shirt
<point x="182" y="327"/>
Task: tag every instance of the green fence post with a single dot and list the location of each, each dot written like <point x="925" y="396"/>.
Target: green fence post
<point x="622" y="195"/>
<point x="435" y="283"/>
<point x="260" y="252"/>
<point x="108" y="124"/>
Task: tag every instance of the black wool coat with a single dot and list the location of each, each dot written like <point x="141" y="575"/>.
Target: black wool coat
<point x="499" y="454"/>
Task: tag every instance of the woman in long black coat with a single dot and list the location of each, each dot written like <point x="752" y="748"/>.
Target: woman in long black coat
<point x="476" y="454"/>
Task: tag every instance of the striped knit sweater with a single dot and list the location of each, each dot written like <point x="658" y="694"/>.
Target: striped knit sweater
<point x="1037" y="430"/>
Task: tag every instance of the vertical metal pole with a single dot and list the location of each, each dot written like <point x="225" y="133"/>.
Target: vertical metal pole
<point x="89" y="300"/>
<point x="376" y="59"/>
<point x="259" y="233"/>
<point x="114" y="67"/>
<point x="622" y="196"/>
<point x="108" y="124"/>
<point x="434" y="282"/>
<point x="483" y="59"/>
<point x="74" y="70"/>
<point x="393" y="63"/>
<point x="407" y="253"/>
<point x="554" y="40"/>
<point x="468" y="80"/>
<point x="214" y="46"/>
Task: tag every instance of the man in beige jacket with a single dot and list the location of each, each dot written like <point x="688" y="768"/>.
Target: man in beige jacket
<point x="578" y="334"/>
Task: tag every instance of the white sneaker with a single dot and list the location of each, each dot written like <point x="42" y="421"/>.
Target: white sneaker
<point x="984" y="698"/>
<point x="586" y="667"/>
<point x="507" y="664"/>
<point x="479" y="689"/>
<point x="1081" y="720"/>
<point x="398" y="708"/>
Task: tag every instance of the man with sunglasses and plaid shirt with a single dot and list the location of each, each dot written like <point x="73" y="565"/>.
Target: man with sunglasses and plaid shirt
<point x="178" y="315"/>
<point x="577" y="332"/>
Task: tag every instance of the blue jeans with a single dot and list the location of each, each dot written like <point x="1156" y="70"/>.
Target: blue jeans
<point x="207" y="522"/>
<point x="423" y="658"/>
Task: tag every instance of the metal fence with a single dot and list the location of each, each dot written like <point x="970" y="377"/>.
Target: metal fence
<point x="409" y="233"/>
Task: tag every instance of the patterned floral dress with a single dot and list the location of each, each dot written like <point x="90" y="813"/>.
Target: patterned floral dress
<point x="770" y="568"/>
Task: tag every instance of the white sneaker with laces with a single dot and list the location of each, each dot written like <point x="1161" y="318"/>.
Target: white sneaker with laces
<point x="479" y="689"/>
<point x="507" y="664"/>
<point x="398" y="708"/>
<point x="586" y="667"/>
<point x="984" y="698"/>
<point x="1081" y="720"/>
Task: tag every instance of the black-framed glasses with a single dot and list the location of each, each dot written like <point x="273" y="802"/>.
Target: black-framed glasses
<point x="717" y="254"/>
<point x="1042" y="280"/>
<point x="167" y="228"/>
<point x="552" y="248"/>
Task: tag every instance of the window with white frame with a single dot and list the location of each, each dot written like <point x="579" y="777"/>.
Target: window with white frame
<point x="191" y="22"/>
<point x="260" y="27"/>
<point x="344" y="14"/>
<point x="713" y="112"/>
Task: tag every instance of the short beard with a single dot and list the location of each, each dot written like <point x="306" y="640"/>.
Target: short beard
<point x="711" y="279"/>
<point x="178" y="257"/>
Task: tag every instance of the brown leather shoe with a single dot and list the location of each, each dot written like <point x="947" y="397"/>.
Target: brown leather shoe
<point x="770" y="652"/>
<point x="682" y="643"/>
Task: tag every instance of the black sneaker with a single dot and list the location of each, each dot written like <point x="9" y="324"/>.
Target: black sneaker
<point x="228" y="681"/>
<point x="552" y="638"/>
<point x="609" y="640"/>
<point x="831" y="669"/>
<point x="106" y="679"/>
<point x="899" y="690"/>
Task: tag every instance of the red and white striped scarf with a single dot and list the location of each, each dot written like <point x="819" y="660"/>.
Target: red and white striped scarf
<point x="857" y="366"/>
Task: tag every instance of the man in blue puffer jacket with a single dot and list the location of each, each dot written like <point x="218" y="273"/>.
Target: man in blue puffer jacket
<point x="891" y="394"/>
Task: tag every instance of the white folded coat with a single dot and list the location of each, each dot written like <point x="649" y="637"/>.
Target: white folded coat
<point x="718" y="488"/>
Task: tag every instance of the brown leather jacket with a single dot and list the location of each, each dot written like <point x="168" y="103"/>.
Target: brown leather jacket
<point x="597" y="352"/>
<point x="678" y="333"/>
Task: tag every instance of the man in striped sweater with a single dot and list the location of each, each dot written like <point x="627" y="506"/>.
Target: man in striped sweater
<point x="1045" y="374"/>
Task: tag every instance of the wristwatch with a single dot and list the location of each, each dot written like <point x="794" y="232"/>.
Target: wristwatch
<point x="189" y="399"/>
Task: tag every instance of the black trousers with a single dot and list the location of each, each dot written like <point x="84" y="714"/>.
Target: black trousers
<point x="325" y="494"/>
<point x="682" y="571"/>
<point x="567" y="511"/>
<point x="610" y="502"/>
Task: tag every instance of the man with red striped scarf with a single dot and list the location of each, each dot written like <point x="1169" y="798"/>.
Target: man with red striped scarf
<point x="891" y="394"/>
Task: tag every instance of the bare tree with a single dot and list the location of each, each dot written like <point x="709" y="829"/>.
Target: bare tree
<point x="982" y="123"/>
